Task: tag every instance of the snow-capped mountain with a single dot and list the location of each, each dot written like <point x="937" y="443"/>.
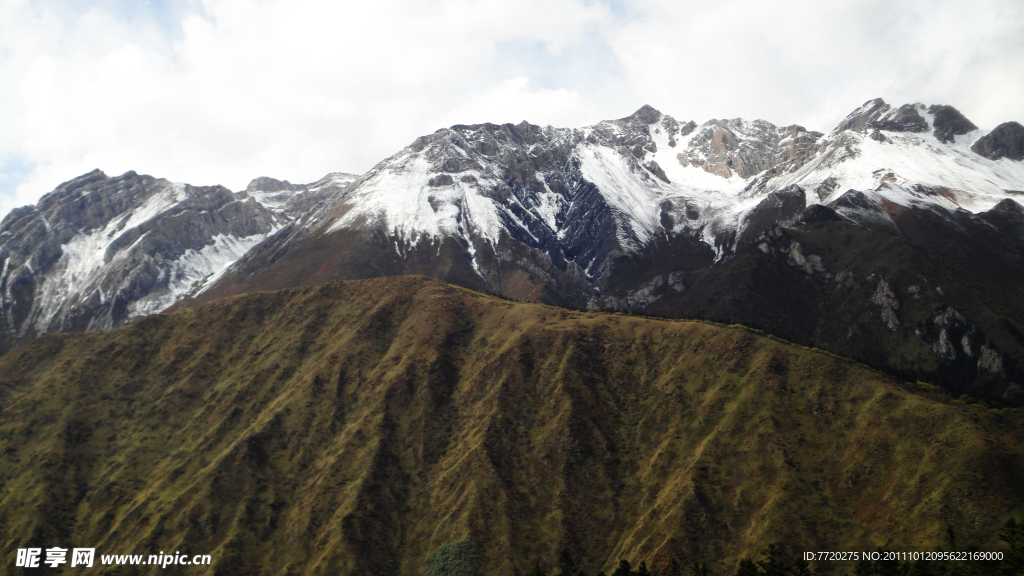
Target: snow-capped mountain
<point x="577" y="199"/>
<point x="99" y="251"/>
<point x="734" y="220"/>
<point x="911" y="155"/>
<point x="800" y="232"/>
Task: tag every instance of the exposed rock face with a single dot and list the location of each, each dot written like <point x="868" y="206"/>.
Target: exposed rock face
<point x="950" y="317"/>
<point x="797" y="144"/>
<point x="906" y="118"/>
<point x="780" y="208"/>
<point x="643" y="297"/>
<point x="779" y="244"/>
<point x="267" y="184"/>
<point x="886" y="298"/>
<point x="968" y="346"/>
<point x="949" y="123"/>
<point x="865" y="209"/>
<point x="727" y="147"/>
<point x="846" y="278"/>
<point x="818" y="213"/>
<point x="957" y="328"/>
<point x="944" y="347"/>
<point x="810" y="263"/>
<point x="296" y="200"/>
<point x="98" y="251"/>
<point x="1014" y="395"/>
<point x="990" y="361"/>
<point x="859" y="119"/>
<point x="1006" y="141"/>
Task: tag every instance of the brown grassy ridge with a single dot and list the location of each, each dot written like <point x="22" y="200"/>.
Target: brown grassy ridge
<point x="352" y="427"/>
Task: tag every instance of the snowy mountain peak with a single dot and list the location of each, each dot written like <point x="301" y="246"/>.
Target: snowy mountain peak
<point x="1005" y="141"/>
<point x="99" y="250"/>
<point x="909" y="155"/>
<point x="944" y="121"/>
<point x="268" y="184"/>
<point x="906" y="118"/>
<point x="948" y="123"/>
<point x="859" y="118"/>
<point x="295" y="200"/>
<point x="646" y="114"/>
<point x="655" y="176"/>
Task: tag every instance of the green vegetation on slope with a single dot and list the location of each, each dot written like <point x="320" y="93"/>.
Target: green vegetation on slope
<point x="352" y="428"/>
<point x="456" y="558"/>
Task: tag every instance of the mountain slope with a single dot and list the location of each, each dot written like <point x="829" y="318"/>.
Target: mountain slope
<point x="354" y="427"/>
<point x="938" y="297"/>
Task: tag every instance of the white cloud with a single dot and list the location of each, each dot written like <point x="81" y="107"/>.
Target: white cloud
<point x="514" y="101"/>
<point x="242" y="88"/>
<point x="226" y="90"/>
<point x="811" y="62"/>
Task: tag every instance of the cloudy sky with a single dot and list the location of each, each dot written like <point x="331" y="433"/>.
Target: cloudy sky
<point x="222" y="91"/>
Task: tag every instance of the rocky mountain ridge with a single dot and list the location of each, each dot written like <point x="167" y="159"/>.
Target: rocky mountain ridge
<point x="646" y="213"/>
<point x="99" y="251"/>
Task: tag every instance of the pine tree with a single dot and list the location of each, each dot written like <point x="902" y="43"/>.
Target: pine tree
<point x="674" y="569"/>
<point x="774" y="563"/>
<point x="536" y="571"/>
<point x="641" y="570"/>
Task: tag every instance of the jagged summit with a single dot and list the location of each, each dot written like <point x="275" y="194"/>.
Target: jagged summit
<point x="294" y="200"/>
<point x="944" y="121"/>
<point x="1006" y="141"/>
<point x="647" y="114"/>
<point x="859" y="118"/>
<point x="268" y="184"/>
<point x="949" y="123"/>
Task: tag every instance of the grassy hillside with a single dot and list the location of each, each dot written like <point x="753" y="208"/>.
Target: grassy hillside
<point x="352" y="428"/>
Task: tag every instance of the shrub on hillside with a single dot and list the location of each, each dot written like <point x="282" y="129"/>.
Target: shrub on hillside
<point x="455" y="558"/>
